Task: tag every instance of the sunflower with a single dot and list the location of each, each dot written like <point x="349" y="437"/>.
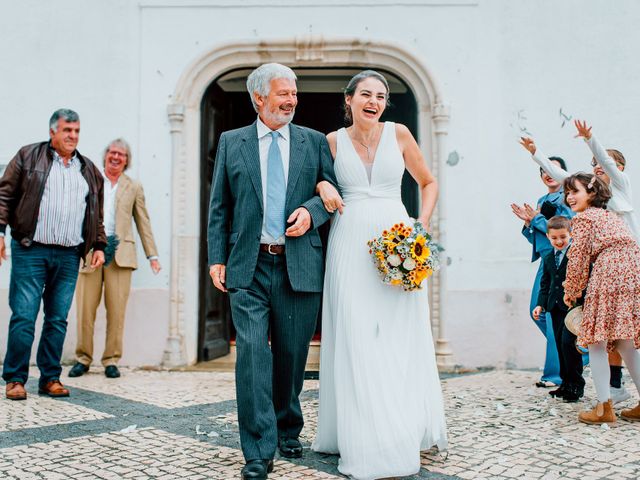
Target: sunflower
<point x="419" y="250"/>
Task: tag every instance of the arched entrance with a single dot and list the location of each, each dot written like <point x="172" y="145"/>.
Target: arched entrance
<point x="226" y="106"/>
<point x="185" y="119"/>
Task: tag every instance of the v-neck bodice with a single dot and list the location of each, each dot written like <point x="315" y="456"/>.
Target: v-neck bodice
<point x="386" y="171"/>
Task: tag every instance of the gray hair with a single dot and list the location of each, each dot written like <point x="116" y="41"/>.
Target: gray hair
<point x="118" y="142"/>
<point x="259" y="81"/>
<point x="65" y="114"/>
<point x="351" y="87"/>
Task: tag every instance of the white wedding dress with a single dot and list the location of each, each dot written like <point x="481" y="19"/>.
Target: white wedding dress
<point x="380" y="395"/>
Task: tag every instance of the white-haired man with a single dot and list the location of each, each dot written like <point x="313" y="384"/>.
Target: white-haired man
<point x="124" y="203"/>
<point x="264" y="249"/>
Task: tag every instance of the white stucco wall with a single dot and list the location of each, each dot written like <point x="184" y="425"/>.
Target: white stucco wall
<point x="117" y="63"/>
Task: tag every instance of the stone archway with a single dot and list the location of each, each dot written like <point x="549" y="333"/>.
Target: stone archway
<point x="184" y="120"/>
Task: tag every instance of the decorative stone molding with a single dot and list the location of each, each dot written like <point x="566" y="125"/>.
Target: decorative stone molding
<point x="184" y="120"/>
<point x="444" y="353"/>
<point x="174" y="352"/>
<point x="310" y="49"/>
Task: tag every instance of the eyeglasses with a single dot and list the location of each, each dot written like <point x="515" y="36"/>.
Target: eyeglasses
<point x="117" y="154"/>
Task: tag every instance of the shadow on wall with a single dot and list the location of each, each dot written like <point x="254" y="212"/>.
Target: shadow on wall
<point x="496" y="332"/>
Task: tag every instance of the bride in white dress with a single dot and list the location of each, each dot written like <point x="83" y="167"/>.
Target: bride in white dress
<point x="380" y="395"/>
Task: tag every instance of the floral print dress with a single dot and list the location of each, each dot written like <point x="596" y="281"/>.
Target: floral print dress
<point x="612" y="303"/>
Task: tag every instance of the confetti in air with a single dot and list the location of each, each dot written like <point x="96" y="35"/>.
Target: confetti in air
<point x="565" y="118"/>
<point x="520" y="124"/>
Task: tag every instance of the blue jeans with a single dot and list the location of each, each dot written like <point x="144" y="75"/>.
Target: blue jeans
<point x="46" y="273"/>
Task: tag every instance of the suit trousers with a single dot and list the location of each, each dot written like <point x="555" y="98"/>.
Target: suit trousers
<point x="570" y="358"/>
<point x="269" y="378"/>
<point x="117" y="284"/>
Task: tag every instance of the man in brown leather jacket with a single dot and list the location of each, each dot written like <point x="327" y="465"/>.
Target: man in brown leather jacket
<point x="51" y="197"/>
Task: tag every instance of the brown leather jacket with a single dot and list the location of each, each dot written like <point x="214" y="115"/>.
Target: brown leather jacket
<point x="21" y="189"/>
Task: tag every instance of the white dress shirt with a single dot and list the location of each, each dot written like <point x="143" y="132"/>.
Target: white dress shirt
<point x="109" y="206"/>
<point x="264" y="142"/>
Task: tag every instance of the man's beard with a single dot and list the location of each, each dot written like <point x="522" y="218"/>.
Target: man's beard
<point x="280" y="118"/>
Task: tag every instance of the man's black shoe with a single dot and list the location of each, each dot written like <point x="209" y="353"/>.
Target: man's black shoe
<point x="572" y="395"/>
<point x="290" y="447"/>
<point x="558" y="392"/>
<point x="112" y="371"/>
<point x="257" y="469"/>
<point x="78" y="370"/>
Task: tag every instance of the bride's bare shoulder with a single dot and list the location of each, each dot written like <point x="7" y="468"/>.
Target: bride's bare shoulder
<point x="402" y="131"/>
<point x="332" y="138"/>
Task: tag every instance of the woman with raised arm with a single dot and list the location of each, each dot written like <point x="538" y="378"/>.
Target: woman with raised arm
<point x="608" y="166"/>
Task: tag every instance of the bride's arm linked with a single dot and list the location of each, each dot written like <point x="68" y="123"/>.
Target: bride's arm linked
<point x="328" y="193"/>
<point x="417" y="167"/>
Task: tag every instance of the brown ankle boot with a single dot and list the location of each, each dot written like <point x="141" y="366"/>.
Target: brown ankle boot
<point x="632" y="414"/>
<point x="601" y="413"/>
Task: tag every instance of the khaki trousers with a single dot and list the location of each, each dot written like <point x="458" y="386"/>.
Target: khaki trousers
<point x="117" y="284"/>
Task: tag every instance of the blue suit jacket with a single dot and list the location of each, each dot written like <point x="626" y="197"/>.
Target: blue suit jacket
<point x="236" y="209"/>
<point x="536" y="232"/>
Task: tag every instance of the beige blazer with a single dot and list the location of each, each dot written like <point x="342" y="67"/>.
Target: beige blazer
<point x="130" y="204"/>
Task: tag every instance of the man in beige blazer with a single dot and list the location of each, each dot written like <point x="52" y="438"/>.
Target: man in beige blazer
<point x="123" y="202"/>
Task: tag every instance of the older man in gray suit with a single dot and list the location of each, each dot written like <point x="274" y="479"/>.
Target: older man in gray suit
<point x="264" y="249"/>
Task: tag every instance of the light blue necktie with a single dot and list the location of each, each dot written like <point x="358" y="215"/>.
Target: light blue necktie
<point x="276" y="189"/>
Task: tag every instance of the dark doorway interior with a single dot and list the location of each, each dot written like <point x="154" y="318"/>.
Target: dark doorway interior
<point x="226" y="105"/>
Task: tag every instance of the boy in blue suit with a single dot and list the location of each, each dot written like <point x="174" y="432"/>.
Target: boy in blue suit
<point x="535" y="231"/>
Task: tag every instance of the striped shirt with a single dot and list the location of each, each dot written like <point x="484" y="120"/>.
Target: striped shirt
<point x="63" y="204"/>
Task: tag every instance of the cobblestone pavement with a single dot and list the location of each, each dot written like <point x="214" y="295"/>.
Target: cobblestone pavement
<point x="175" y="425"/>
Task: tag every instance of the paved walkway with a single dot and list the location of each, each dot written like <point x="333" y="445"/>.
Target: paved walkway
<point x="182" y="425"/>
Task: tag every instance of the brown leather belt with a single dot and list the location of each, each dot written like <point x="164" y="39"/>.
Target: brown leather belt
<point x="272" y="248"/>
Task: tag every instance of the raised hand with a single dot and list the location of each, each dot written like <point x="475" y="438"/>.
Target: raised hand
<point x="528" y="143"/>
<point x="583" y="130"/>
<point x="530" y="212"/>
<point x="519" y="212"/>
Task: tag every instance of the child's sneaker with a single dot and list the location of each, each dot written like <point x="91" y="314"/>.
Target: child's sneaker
<point x="619" y="394"/>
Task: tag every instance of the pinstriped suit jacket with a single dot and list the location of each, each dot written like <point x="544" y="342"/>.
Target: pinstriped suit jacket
<point x="236" y="209"/>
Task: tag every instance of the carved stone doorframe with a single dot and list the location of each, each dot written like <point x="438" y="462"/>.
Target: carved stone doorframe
<point x="184" y="121"/>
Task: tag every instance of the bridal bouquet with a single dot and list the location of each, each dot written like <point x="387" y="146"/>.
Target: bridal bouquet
<point x="405" y="255"/>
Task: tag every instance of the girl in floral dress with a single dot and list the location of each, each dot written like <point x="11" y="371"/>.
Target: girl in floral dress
<point x="611" y="312"/>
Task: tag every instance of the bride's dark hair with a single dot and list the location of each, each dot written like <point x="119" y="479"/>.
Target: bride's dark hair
<point x="351" y="87"/>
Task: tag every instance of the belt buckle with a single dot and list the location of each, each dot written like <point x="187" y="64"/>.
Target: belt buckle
<point x="269" y="248"/>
